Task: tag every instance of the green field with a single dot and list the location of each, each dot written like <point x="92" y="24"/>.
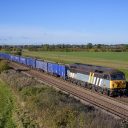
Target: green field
<point x="118" y="60"/>
<point x="110" y="59"/>
<point x="6" y="107"/>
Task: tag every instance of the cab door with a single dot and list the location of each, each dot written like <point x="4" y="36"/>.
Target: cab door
<point x="106" y="81"/>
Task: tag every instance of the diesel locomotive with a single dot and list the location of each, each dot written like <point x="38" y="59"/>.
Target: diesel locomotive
<point x="105" y="80"/>
<point x="102" y="79"/>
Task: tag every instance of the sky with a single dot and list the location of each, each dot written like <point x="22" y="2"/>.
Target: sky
<point x="63" y="21"/>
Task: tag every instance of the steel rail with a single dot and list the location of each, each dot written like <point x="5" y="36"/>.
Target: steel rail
<point x="117" y="108"/>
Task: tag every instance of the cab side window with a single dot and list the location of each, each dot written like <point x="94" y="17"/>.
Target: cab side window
<point x="106" y="76"/>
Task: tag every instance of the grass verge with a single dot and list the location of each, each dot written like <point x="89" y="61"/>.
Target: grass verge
<point x="42" y="106"/>
<point x="6" y="107"/>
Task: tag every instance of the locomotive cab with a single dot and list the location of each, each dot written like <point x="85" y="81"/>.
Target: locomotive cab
<point x="117" y="83"/>
<point x="103" y="79"/>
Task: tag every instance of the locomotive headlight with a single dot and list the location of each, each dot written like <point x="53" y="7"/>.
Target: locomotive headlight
<point x="123" y="82"/>
<point x="117" y="84"/>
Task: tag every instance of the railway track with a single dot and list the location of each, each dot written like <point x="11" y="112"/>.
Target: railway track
<point x="120" y="109"/>
<point x="123" y="99"/>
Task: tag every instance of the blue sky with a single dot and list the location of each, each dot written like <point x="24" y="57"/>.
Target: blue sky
<point x="63" y="21"/>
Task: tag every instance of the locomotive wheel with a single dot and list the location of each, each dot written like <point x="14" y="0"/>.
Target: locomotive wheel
<point x="90" y="86"/>
<point x="104" y="92"/>
<point x="108" y="92"/>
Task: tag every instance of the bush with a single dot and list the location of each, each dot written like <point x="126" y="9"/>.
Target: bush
<point x="3" y="65"/>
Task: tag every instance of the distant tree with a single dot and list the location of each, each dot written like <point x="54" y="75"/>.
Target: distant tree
<point x="89" y="45"/>
<point x="99" y="46"/>
<point x="126" y="46"/>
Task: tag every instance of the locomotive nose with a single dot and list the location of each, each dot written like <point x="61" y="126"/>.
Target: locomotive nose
<point x="119" y="84"/>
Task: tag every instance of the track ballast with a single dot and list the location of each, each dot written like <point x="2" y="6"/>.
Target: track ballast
<point x="115" y="107"/>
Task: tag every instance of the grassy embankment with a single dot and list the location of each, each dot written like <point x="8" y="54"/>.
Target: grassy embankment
<point x="6" y="107"/>
<point x="6" y="102"/>
<point x="118" y="60"/>
<point x="42" y="106"/>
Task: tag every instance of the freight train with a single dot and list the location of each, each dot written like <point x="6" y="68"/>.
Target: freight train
<point x="105" y="80"/>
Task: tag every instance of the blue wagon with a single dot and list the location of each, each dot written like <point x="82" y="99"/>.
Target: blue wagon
<point x="23" y="60"/>
<point x="15" y="58"/>
<point x="42" y="65"/>
<point x="4" y="56"/>
<point x="52" y="68"/>
<point x="31" y="62"/>
<point x="11" y="57"/>
<point x="57" y="69"/>
<point x="62" y="71"/>
<point x="8" y="56"/>
<point x="0" y="56"/>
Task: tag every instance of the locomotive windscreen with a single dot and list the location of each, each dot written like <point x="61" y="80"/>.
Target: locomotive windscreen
<point x="118" y="76"/>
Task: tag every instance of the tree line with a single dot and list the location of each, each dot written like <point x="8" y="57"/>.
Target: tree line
<point x="67" y="47"/>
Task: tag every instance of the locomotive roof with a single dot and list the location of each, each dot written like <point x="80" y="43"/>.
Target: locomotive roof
<point x="93" y="68"/>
